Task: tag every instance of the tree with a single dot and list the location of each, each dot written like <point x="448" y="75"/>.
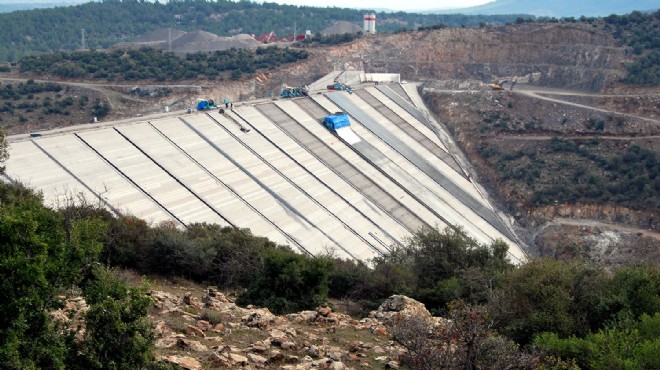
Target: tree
<point x="30" y="257"/>
<point x="289" y="282"/>
<point x="117" y="332"/>
<point x="464" y="341"/>
<point x="623" y="345"/>
<point x="447" y="265"/>
<point x="4" y="153"/>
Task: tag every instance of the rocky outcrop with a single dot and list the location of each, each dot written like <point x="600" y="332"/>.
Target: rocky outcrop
<point x="602" y="212"/>
<point x="253" y="337"/>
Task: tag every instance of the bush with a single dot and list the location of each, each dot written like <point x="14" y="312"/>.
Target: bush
<point x="117" y="332"/>
<point x="289" y="282"/>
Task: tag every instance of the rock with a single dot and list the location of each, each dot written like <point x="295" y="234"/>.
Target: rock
<point x="219" y="328"/>
<point x="238" y="359"/>
<point x="315" y="351"/>
<point x="163" y="300"/>
<point x="185" y="362"/>
<point x="324" y="311"/>
<point x="166" y="343"/>
<point x="191" y="301"/>
<point x="192" y="345"/>
<point x="214" y="339"/>
<point x="392" y="365"/>
<point x="193" y="330"/>
<point x="398" y="306"/>
<point x="260" y="318"/>
<point x="276" y="357"/>
<point x="203" y="325"/>
<point x="304" y="316"/>
<point x="288" y="345"/>
<point x="257" y="359"/>
<point x="337" y="365"/>
<point x="260" y="346"/>
<point x="161" y="329"/>
<point x="380" y="331"/>
<point x="291" y="359"/>
<point x="220" y="360"/>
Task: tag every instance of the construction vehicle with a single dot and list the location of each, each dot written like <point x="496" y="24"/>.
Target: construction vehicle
<point x="293" y="92"/>
<point x="338" y="86"/>
<point x="336" y="121"/>
<point x="500" y="85"/>
<point x="203" y="104"/>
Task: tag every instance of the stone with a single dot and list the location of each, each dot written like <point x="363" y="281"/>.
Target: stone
<point x="190" y="300"/>
<point x="400" y="305"/>
<point x="193" y="330"/>
<point x="238" y="359"/>
<point x="219" y="328"/>
<point x="392" y="365"/>
<point x="257" y="359"/>
<point x="260" y="346"/>
<point x="300" y="317"/>
<point x="379" y="330"/>
<point x="220" y="360"/>
<point x="203" y="325"/>
<point x="161" y="329"/>
<point x="324" y="311"/>
<point x="337" y="365"/>
<point x="166" y="343"/>
<point x="260" y="318"/>
<point x="185" y="362"/>
<point x="315" y="351"/>
<point x="192" y="345"/>
<point x="288" y="345"/>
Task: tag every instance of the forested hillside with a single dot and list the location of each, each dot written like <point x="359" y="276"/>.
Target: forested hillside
<point x="109" y="22"/>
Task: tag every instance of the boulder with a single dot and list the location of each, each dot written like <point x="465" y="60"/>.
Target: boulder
<point x="260" y="318"/>
<point x="238" y="359"/>
<point x="193" y="330"/>
<point x="192" y="345"/>
<point x="398" y="306"/>
<point x="257" y="359"/>
<point x="185" y="362"/>
<point x="190" y="300"/>
<point x="203" y="325"/>
<point x="324" y="310"/>
<point x="168" y="342"/>
<point x="161" y="329"/>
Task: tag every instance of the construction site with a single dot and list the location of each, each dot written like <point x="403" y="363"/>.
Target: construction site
<point x="354" y="172"/>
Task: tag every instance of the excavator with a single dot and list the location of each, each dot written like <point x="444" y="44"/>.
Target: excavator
<point x="500" y="85"/>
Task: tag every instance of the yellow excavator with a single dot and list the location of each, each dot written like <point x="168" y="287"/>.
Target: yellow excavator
<point x="500" y="85"/>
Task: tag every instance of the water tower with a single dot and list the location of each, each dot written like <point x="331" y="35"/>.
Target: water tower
<point x="370" y="23"/>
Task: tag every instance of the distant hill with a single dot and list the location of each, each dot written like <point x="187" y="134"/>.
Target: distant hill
<point x="11" y="7"/>
<point x="558" y="8"/>
<point x="107" y="23"/>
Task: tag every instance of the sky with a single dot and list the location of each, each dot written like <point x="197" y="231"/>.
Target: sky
<point x="395" y="5"/>
<point x="405" y="5"/>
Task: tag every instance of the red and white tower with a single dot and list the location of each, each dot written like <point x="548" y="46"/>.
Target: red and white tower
<point x="370" y="23"/>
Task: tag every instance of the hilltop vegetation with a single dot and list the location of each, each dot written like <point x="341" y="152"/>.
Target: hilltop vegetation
<point x="152" y="64"/>
<point x="111" y="21"/>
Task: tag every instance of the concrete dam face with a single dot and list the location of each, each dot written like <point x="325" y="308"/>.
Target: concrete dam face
<point x="275" y="168"/>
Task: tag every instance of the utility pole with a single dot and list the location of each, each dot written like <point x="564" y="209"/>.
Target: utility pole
<point x="83" y="38"/>
<point x="169" y="39"/>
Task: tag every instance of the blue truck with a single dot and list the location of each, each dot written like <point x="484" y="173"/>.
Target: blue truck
<point x="337" y="120"/>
